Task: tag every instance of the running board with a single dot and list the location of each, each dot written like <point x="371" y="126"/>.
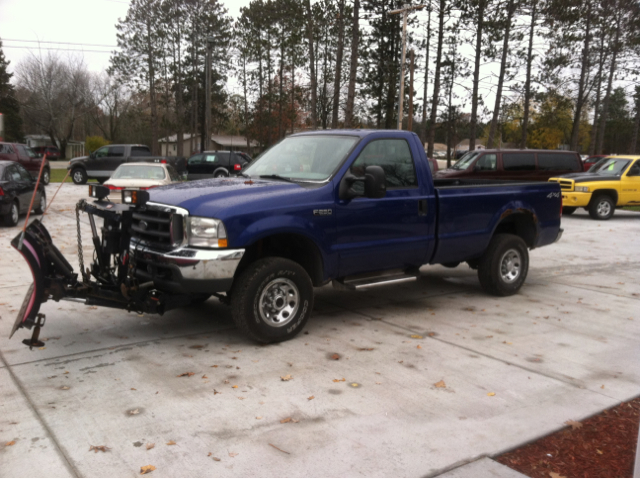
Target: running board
<point x="352" y="284"/>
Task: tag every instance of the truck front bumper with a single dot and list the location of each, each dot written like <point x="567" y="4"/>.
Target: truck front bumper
<point x="186" y="270"/>
<point x="575" y="199"/>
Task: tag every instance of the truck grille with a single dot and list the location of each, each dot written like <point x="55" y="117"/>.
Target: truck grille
<point x="158" y="226"/>
<point x="565" y="185"/>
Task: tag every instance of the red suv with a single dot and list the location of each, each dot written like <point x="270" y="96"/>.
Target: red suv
<point x="25" y="156"/>
<point x="52" y="152"/>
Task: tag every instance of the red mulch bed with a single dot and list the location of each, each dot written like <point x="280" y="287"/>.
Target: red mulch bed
<point x="604" y="446"/>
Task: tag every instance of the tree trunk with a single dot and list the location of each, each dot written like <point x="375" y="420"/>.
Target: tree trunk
<point x="312" y="68"/>
<point x="582" y="98"/>
<point x="503" y="66"/>
<point x="436" y="81"/>
<point x="607" y="96"/>
<point x="476" y="76"/>
<point x="393" y="77"/>
<point x="636" y="124"/>
<point x="527" y="85"/>
<point x="596" y="108"/>
<point x="423" y="127"/>
<point x="351" y="94"/>
<point x="152" y="93"/>
<point x="338" y="73"/>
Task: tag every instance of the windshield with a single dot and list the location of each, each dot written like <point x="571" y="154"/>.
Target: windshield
<point x="309" y="157"/>
<point x="30" y="152"/>
<point x="464" y="162"/>
<point x="139" y="172"/>
<point x="611" y="166"/>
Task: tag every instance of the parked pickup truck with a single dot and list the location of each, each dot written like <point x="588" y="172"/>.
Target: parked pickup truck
<point x="614" y="183"/>
<point x="101" y="164"/>
<point x="353" y="207"/>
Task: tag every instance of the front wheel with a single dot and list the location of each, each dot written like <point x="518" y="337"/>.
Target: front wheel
<point x="79" y="176"/>
<point x="46" y="177"/>
<point x="220" y="174"/>
<point x="42" y="205"/>
<point x="602" y="207"/>
<point x="272" y="299"/>
<point x="11" y="219"/>
<point x="504" y="266"/>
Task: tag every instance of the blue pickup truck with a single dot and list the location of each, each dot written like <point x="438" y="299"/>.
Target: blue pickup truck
<point x="353" y="207"/>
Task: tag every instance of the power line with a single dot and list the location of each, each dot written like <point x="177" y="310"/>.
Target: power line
<point x="58" y="49"/>
<point x="60" y="43"/>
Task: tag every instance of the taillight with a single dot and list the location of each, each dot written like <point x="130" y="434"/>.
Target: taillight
<point x="148" y="187"/>
<point x="1" y="191"/>
<point x="237" y="167"/>
<point x="164" y="162"/>
<point x="111" y="187"/>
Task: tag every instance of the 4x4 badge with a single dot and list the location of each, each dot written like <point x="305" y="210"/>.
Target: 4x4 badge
<point x="322" y="212"/>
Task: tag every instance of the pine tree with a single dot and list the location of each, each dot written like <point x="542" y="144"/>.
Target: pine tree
<point x="9" y="106"/>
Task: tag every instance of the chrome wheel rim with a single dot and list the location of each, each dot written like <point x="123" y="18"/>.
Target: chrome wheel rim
<point x="45" y="177"/>
<point x="77" y="177"/>
<point x="510" y="266"/>
<point x="43" y="203"/>
<point x="14" y="213"/>
<point x="604" y="208"/>
<point x="279" y="302"/>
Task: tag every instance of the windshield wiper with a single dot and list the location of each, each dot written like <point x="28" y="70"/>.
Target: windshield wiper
<point x="277" y="177"/>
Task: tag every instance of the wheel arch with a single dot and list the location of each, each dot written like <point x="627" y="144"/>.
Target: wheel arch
<point x="607" y="192"/>
<point x="293" y="246"/>
<point x="522" y="223"/>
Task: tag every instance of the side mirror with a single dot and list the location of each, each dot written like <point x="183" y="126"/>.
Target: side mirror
<point x="92" y="155"/>
<point x="375" y="184"/>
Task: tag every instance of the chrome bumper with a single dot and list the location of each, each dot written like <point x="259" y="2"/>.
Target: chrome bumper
<point x="187" y="269"/>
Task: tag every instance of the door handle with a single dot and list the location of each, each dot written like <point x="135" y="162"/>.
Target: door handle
<point x="422" y="207"/>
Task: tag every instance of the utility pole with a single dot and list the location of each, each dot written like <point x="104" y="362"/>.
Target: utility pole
<point x="207" y="89"/>
<point x="410" y="121"/>
<point x="404" y="10"/>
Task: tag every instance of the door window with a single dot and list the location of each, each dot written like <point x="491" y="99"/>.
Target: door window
<point x="557" y="162"/>
<point x="102" y="152"/>
<point x="519" y="161"/>
<point x="24" y="174"/>
<point x="210" y="159"/>
<point x="13" y="174"/>
<point x="488" y="162"/>
<point x="395" y="159"/>
<point x="116" y="151"/>
<point x="195" y="160"/>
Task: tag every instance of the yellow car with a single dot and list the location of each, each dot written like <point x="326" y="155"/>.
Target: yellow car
<point x="614" y="183"/>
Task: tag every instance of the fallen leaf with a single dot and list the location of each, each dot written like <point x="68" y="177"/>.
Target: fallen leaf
<point x="133" y="389"/>
<point x="418" y="347"/>
<point x="339" y="380"/>
<point x="416" y="336"/>
<point x="66" y="372"/>
<point x="602" y="387"/>
<point x="440" y="384"/>
<point x="311" y="397"/>
<point x="151" y="445"/>
<point x="288" y="377"/>
<point x="431" y="334"/>
<point x="171" y="443"/>
<point x="98" y="448"/>
<point x="196" y="346"/>
<point x="335" y="356"/>
<point x="491" y="394"/>
<point x="285" y="420"/>
<point x="209" y="455"/>
<point x="65" y="388"/>
<point x="599" y="451"/>
<point x="204" y="376"/>
<point x="215" y="392"/>
<point x="147" y="469"/>
<point x="214" y="366"/>
<point x="216" y="458"/>
<point x="258" y="417"/>
<point x="133" y="412"/>
<point x="234" y="387"/>
<point x="11" y="443"/>
<point x="185" y="374"/>
<point x="365" y="349"/>
<point x="574" y="424"/>
<point x="233" y="454"/>
<point x="555" y="474"/>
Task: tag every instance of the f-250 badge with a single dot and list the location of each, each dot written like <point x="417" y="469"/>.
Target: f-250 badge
<point x="322" y="212"/>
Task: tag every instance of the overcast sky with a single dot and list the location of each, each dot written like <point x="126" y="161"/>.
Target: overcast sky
<point x="88" y="24"/>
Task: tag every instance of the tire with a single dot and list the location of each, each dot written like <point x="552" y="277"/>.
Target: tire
<point x="42" y="206"/>
<point x="11" y="218"/>
<point x="220" y="174"/>
<point x="568" y="210"/>
<point x="102" y="180"/>
<point x="79" y="176"/>
<point x="199" y="298"/>
<point x="504" y="266"/>
<point x="451" y="265"/>
<point x="46" y="176"/>
<point x="272" y="319"/>
<point x="602" y="207"/>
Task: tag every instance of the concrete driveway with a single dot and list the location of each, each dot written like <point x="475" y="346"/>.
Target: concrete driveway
<point x="429" y="375"/>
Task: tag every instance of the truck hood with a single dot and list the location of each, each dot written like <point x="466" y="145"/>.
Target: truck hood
<point x="77" y="159"/>
<point x="586" y="177"/>
<point x="216" y="197"/>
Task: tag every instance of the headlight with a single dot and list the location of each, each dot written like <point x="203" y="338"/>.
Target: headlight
<point x="582" y="189"/>
<point x="207" y="232"/>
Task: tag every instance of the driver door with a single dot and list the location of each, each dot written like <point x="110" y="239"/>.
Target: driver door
<point x="630" y="185"/>
<point x="384" y="233"/>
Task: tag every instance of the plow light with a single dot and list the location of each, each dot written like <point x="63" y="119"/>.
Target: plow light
<point x="98" y="191"/>
<point x="135" y="197"/>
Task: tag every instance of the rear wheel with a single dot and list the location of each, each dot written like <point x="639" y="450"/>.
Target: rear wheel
<point x="504" y="266"/>
<point x="11" y="218"/>
<point x="79" y="176"/>
<point x="602" y="207"/>
<point x="42" y="205"/>
<point x="568" y="210"/>
<point x="272" y="300"/>
<point x="220" y="174"/>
